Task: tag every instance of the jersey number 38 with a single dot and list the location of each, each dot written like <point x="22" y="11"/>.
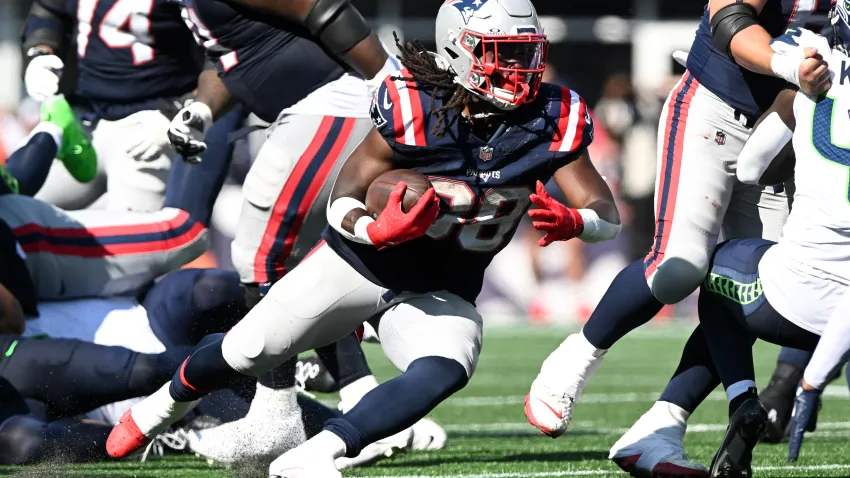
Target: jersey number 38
<point x="481" y="223"/>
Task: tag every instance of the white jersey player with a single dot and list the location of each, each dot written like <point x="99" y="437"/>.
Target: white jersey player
<point x="794" y="292"/>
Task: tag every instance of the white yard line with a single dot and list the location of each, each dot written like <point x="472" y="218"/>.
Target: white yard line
<point x="545" y="474"/>
<point x="825" y="429"/>
<point x="835" y="392"/>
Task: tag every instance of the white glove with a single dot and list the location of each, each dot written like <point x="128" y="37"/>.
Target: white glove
<point x="188" y="130"/>
<point x="155" y="138"/>
<point x="42" y="76"/>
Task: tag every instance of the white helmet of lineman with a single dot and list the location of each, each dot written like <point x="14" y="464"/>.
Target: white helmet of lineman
<point x="496" y="48"/>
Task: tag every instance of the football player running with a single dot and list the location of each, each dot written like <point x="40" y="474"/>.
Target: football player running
<point x="475" y="118"/>
<point x="792" y="293"/>
<point x="732" y="76"/>
<point x="317" y="119"/>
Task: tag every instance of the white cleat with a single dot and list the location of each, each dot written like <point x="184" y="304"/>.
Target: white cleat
<point x="654" y="446"/>
<point x="272" y="426"/>
<point x="558" y="386"/>
<point x="401" y="442"/>
<point x="428" y="435"/>
<point x="313" y="459"/>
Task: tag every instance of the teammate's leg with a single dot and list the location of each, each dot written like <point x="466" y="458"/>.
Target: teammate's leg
<point x="279" y="327"/>
<point x="195" y="187"/>
<point x="285" y="182"/>
<point x="72" y="376"/>
<point x="97" y="253"/>
<point x="687" y="229"/>
<point x="435" y="340"/>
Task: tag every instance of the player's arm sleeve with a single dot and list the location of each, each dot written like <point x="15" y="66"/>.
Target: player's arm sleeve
<point x="46" y="25"/>
<point x="764" y="158"/>
<point x="832" y="348"/>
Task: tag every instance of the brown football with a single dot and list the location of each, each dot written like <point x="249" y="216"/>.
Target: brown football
<point x="380" y="189"/>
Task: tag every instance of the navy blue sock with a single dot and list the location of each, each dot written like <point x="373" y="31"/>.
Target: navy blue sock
<point x="728" y="339"/>
<point x="204" y="371"/>
<point x="345" y="360"/>
<point x="195" y="187"/>
<point x="31" y="163"/>
<point x="695" y="377"/>
<point x="399" y="403"/>
<point x="796" y="357"/>
<point x="280" y="377"/>
<point x="626" y="305"/>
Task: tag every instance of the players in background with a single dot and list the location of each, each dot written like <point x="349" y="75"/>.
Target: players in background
<point x="732" y="76"/>
<point x="136" y="61"/>
<point x="458" y="118"/>
<point x="793" y="293"/>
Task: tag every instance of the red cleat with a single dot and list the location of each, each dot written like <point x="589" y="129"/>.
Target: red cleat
<point x="125" y="438"/>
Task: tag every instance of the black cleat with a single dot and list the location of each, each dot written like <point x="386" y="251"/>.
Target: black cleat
<point x="778" y="400"/>
<point x="312" y="373"/>
<point x="746" y="427"/>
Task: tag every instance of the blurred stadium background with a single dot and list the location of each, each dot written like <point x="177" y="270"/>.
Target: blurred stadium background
<point x="616" y="53"/>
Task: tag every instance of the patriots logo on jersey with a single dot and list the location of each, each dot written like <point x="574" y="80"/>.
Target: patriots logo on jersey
<point x="467" y="8"/>
<point x="375" y="112"/>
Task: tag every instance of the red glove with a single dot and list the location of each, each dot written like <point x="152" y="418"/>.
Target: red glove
<point x="559" y="222"/>
<point x="393" y="226"/>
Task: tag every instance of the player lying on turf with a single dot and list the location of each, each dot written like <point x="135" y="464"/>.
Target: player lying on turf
<point x="482" y="127"/>
<point x="101" y="353"/>
<point x="792" y="292"/>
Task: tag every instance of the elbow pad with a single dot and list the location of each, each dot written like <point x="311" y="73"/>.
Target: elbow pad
<point x="728" y="21"/>
<point x="337" y="24"/>
<point x="44" y="26"/>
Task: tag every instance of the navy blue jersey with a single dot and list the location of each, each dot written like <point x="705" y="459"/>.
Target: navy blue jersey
<point x="266" y="63"/>
<point x="738" y="87"/>
<point x="484" y="187"/>
<point x="133" y="51"/>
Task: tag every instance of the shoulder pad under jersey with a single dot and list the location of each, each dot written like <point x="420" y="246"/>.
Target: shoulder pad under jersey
<point x="398" y="111"/>
<point x="574" y="131"/>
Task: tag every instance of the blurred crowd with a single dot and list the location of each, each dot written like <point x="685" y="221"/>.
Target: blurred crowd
<point x="558" y="284"/>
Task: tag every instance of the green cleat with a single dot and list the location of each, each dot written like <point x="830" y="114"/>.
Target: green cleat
<point x="76" y="153"/>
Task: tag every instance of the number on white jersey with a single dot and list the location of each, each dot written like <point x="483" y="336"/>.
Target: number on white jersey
<point x="498" y="212"/>
<point x="823" y="138"/>
<point x="126" y="25"/>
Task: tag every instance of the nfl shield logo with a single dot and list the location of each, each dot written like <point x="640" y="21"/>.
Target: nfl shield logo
<point x="720" y="137"/>
<point x="485" y="153"/>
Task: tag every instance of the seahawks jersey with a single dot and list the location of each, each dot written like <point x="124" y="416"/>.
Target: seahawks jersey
<point x="748" y="92"/>
<point x="133" y="51"/>
<point x="817" y="232"/>
<point x="266" y="63"/>
<point x="484" y="186"/>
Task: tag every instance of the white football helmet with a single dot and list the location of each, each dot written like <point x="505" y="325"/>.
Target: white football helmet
<point x="496" y="48"/>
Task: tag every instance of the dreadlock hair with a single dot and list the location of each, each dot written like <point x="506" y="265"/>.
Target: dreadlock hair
<point x="424" y="69"/>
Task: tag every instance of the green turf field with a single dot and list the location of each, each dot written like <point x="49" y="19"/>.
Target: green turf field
<point x="489" y="437"/>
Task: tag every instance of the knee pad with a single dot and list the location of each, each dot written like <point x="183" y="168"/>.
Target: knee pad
<point x="251" y="349"/>
<point x="22" y="440"/>
<point x="679" y="275"/>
